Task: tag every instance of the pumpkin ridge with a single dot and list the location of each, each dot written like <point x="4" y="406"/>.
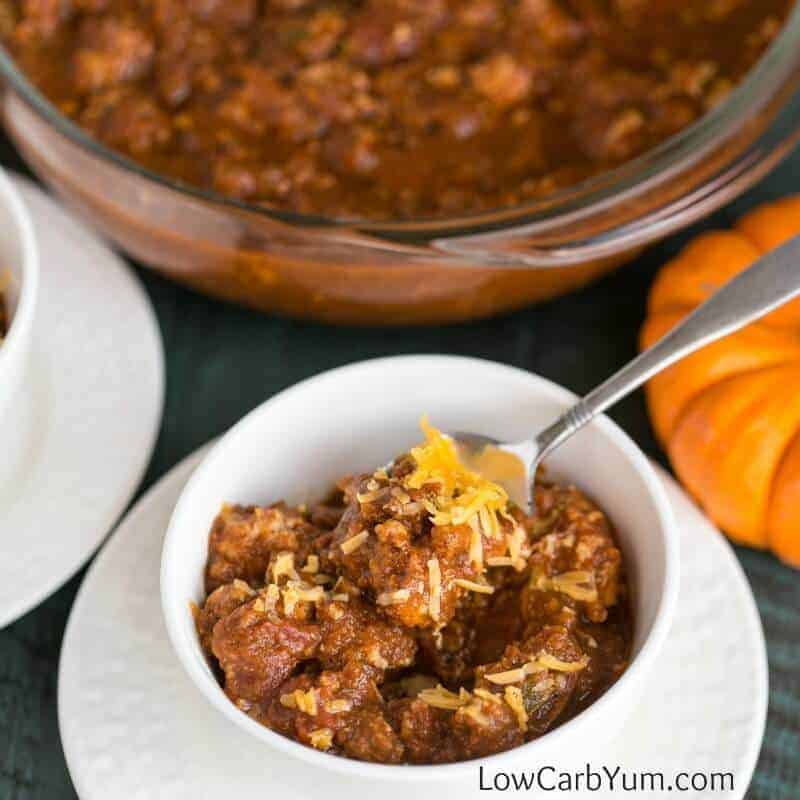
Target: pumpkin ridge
<point x="773" y="490"/>
<point x="781" y="529"/>
<point x="767" y="227"/>
<point x="729" y="415"/>
<point x="752" y="349"/>
<point x="711" y="385"/>
<point x="702" y="266"/>
<point x="727" y="448"/>
<point x="771" y="224"/>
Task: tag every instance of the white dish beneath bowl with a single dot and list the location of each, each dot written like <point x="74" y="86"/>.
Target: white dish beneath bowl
<point x="133" y="726"/>
<point x="93" y="398"/>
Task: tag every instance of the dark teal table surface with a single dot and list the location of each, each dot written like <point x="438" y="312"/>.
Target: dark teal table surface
<point x="223" y="361"/>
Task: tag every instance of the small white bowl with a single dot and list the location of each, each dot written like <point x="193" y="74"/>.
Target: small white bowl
<point x="297" y="444"/>
<point x="19" y="257"/>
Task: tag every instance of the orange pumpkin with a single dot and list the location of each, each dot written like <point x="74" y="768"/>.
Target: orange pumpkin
<point x="729" y="416"/>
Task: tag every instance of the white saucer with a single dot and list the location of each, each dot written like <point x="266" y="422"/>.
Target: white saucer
<point x="95" y="393"/>
<point x="133" y="726"/>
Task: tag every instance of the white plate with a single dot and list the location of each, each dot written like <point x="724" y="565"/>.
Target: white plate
<point x="133" y="726"/>
<point x="95" y="388"/>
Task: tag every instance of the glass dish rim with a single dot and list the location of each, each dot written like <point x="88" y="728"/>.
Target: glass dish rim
<point x="775" y="66"/>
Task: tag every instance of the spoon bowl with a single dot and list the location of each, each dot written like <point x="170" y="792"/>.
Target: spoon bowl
<point x="505" y="464"/>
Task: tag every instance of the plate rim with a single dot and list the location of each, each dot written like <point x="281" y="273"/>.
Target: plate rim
<point x="188" y="463"/>
<point x="185" y="467"/>
<point x="12" y="612"/>
<point x="751" y="605"/>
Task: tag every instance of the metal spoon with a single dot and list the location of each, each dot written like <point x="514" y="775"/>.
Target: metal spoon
<point x="768" y="284"/>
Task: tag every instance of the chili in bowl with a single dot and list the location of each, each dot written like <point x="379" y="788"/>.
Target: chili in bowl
<point x="413" y="620"/>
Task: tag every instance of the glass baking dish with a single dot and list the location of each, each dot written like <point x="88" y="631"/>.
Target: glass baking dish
<point x="420" y="271"/>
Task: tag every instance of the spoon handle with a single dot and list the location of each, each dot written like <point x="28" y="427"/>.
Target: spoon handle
<point x="772" y="281"/>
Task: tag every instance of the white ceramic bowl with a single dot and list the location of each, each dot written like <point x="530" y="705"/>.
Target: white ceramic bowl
<point x="297" y="444"/>
<point x="19" y="257"/>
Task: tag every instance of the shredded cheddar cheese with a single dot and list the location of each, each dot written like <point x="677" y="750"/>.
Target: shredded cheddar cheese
<point x="475" y="711"/>
<point x="284" y="565"/>
<point x="461" y="493"/>
<point x="302" y="701"/>
<point x="393" y="598"/>
<point x="338" y="706"/>
<point x="513" y="697"/>
<point x="557" y="665"/>
<point x="507" y="677"/>
<point x="435" y="584"/>
<point x="544" y="661"/>
<point x="271" y="595"/>
<point x="472" y="586"/>
<point x="354" y="542"/>
<point x="516" y="544"/>
<point x="579" y="585"/>
<point x="485" y="694"/>
<point x="375" y="658"/>
<point x="439" y="697"/>
<point x="321" y="739"/>
<point x="297" y="591"/>
<point x="259" y="605"/>
<point x="500" y="561"/>
<point x="476" y="545"/>
<point x="243" y="587"/>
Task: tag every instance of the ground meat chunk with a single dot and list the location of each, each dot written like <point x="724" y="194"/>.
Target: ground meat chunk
<point x="326" y="516"/>
<point x="482" y="728"/>
<point x="40" y="19"/>
<point x="477" y="634"/>
<point x="482" y="724"/>
<point x="450" y="654"/>
<point x="549" y="687"/>
<point x="236" y="179"/>
<point x="576" y="564"/>
<point x="369" y="737"/>
<point x="600" y="673"/>
<point x="383" y="33"/>
<point x="261" y="103"/>
<point x="224" y="600"/>
<point x="557" y="27"/>
<point x="502" y="80"/>
<point x="129" y="120"/>
<point x="352" y="152"/>
<point x="225" y="13"/>
<point x="325" y="30"/>
<point x="345" y="703"/>
<point x="355" y="631"/>
<point x="258" y="650"/>
<point x="187" y="61"/>
<point x="426" y="732"/>
<point x="393" y="562"/>
<point x="115" y="51"/>
<point x="244" y="538"/>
